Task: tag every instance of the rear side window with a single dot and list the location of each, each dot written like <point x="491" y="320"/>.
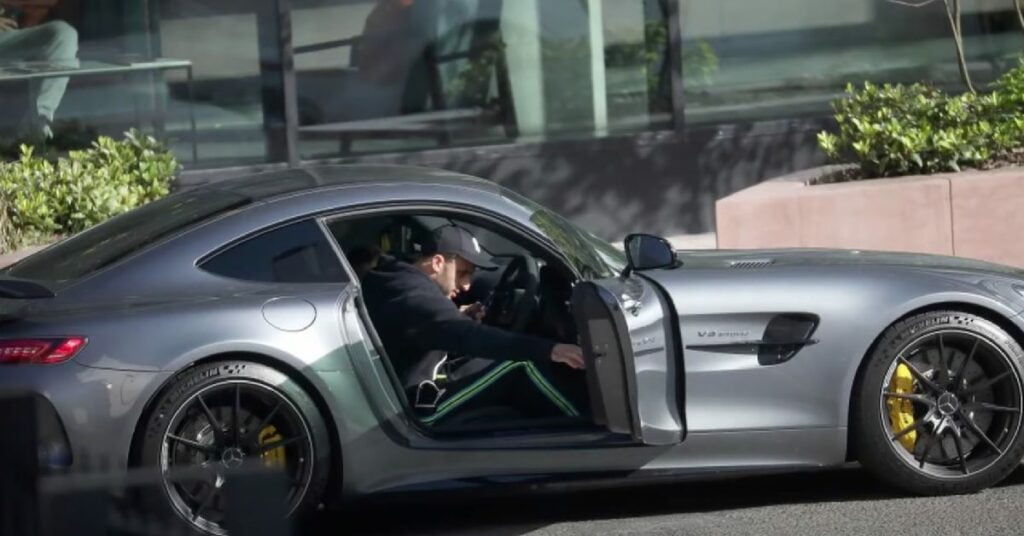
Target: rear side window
<point x="296" y="253"/>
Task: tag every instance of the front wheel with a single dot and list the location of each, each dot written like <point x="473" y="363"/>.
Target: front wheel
<point x="219" y="416"/>
<point x="938" y="409"/>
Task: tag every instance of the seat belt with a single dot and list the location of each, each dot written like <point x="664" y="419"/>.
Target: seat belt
<point x="428" y="393"/>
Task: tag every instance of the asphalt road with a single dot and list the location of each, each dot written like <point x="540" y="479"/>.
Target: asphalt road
<point x="835" y="502"/>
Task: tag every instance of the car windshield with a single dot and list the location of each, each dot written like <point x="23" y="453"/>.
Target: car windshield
<point x="592" y="257"/>
<point x="115" y="239"/>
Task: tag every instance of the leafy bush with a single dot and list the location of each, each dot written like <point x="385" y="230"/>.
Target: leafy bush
<point x="40" y="199"/>
<point x="894" y="130"/>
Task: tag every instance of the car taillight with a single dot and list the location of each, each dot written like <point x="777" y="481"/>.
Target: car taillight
<point x="39" y="351"/>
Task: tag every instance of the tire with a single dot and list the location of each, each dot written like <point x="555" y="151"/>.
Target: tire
<point x="304" y="454"/>
<point x="903" y="392"/>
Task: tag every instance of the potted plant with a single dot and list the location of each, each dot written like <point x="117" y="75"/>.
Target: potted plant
<point x="926" y="171"/>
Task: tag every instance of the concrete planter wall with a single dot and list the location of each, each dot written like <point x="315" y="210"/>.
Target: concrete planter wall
<point x="971" y="214"/>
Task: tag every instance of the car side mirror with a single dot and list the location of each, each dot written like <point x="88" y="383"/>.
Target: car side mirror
<point x="647" y="252"/>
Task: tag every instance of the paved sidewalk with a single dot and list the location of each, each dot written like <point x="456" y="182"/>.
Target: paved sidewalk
<point x="11" y="258"/>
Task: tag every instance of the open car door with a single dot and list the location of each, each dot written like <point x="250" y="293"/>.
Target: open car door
<point x="633" y="356"/>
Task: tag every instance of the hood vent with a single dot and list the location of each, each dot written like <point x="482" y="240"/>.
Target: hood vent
<point x="752" y="263"/>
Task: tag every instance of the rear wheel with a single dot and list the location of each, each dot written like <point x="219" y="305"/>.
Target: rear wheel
<point x="939" y="405"/>
<point x="223" y="416"/>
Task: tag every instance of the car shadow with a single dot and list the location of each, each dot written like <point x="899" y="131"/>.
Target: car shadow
<point x="508" y="514"/>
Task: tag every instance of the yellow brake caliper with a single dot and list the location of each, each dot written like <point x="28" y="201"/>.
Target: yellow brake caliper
<point x="273" y="458"/>
<point x="901" y="411"/>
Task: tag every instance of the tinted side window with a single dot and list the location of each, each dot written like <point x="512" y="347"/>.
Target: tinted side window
<point x="297" y="253"/>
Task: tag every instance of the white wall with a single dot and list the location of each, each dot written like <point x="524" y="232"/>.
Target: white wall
<point x="226" y="45"/>
<point x="722" y="18"/>
<point x="316" y="25"/>
<point x="219" y="45"/>
<point x="623" y="22"/>
<point x="520" y="27"/>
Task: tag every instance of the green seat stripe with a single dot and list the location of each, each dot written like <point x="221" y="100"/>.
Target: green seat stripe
<point x="542" y="383"/>
<point x="474" y="388"/>
<point x="494" y="375"/>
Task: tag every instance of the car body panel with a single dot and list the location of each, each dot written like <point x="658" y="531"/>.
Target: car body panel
<point x="855" y="302"/>
<point x="156" y="313"/>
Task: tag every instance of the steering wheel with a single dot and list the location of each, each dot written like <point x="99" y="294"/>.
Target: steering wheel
<point x="514" y="298"/>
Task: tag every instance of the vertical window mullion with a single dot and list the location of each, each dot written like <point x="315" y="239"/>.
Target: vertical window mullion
<point x="289" y="92"/>
<point x="675" y="58"/>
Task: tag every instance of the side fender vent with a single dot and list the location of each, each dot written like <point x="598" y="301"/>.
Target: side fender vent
<point x="786" y="335"/>
<point x="752" y="263"/>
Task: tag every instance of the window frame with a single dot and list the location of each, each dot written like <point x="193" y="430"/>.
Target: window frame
<point x="518" y="230"/>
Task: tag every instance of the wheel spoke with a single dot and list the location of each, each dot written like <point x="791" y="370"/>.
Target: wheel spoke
<point x="919" y="376"/>
<point x="266" y="420"/>
<point x="913" y="427"/>
<point x="959" y="376"/>
<point x="193" y="473"/>
<point x="195" y="445"/>
<point x="942" y="373"/>
<point x="210" y="496"/>
<point x="986" y="384"/>
<point x="218" y="432"/>
<point x="913" y="397"/>
<point x="279" y="443"/>
<point x="977" y="432"/>
<point x="932" y="441"/>
<point x="235" y="411"/>
<point x="985" y="406"/>
<point x="959" y="442"/>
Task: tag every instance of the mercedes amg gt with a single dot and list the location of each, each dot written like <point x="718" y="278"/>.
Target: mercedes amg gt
<point x="225" y="323"/>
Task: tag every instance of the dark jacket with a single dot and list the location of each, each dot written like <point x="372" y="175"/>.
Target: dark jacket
<point x="418" y="325"/>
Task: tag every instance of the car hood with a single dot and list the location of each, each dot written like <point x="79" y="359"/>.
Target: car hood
<point x="767" y="258"/>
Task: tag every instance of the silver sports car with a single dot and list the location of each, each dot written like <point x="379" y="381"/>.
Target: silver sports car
<point x="225" y="322"/>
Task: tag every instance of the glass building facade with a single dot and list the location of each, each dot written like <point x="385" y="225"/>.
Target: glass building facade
<point x="548" y="96"/>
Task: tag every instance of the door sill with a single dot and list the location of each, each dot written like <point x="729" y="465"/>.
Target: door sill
<point x="576" y="437"/>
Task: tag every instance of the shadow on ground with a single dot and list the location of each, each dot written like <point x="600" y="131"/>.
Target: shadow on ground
<point x="508" y="514"/>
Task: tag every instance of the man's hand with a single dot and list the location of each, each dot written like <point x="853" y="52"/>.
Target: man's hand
<point x="7" y="24"/>
<point x="570" y="354"/>
<point x="475" y="311"/>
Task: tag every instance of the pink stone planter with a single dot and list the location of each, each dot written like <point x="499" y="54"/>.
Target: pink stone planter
<point x="970" y="214"/>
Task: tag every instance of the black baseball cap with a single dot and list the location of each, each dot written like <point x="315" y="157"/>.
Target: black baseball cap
<point x="455" y="240"/>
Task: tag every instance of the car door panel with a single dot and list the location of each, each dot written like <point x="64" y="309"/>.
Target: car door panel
<point x="634" y="373"/>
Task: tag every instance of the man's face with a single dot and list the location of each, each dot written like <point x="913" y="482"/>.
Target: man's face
<point x="453" y="276"/>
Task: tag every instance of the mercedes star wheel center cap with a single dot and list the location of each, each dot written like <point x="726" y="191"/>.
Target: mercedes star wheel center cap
<point x="948" y="404"/>
<point x="232" y="458"/>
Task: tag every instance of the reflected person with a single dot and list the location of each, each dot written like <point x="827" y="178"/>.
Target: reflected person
<point x="24" y="36"/>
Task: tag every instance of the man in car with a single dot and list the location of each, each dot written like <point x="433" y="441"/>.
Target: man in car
<point x="447" y="360"/>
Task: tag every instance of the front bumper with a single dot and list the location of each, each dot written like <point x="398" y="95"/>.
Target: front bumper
<point x="85" y="417"/>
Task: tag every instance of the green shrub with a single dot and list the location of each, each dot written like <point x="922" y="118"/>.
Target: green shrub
<point x="894" y="130"/>
<point x="7" y="235"/>
<point x="43" y="199"/>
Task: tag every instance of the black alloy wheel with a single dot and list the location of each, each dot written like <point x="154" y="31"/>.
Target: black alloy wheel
<point x="222" y="418"/>
<point x="939" y="408"/>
